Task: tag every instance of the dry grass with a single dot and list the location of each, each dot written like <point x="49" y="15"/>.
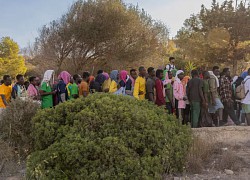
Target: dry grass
<point x="210" y="154"/>
<point x="6" y="152"/>
<point x="230" y="160"/>
<point x="15" y="124"/>
<point x="200" y="154"/>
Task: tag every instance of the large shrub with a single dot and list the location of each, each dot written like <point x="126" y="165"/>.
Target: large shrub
<point x="106" y="137"/>
<point x="15" y="124"/>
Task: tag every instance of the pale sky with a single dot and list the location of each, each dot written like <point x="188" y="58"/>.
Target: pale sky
<point x="21" y="19"/>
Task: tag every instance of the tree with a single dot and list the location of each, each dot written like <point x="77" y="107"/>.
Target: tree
<point x="214" y="35"/>
<point x="11" y="62"/>
<point x="106" y="32"/>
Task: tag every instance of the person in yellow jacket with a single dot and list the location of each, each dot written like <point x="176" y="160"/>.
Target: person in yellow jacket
<point x="5" y="92"/>
<point x="114" y="76"/>
<point x="140" y="85"/>
<point x="107" y="82"/>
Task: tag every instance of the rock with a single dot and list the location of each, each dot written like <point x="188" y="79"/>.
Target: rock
<point x="23" y="171"/>
<point x="229" y="172"/>
<point x="224" y="149"/>
<point x="176" y="178"/>
<point x="217" y="177"/>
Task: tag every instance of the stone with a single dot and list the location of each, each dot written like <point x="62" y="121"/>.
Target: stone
<point x="229" y="172"/>
<point x="224" y="149"/>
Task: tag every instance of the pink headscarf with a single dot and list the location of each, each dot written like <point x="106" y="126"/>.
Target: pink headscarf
<point x="65" y="76"/>
<point x="106" y="75"/>
<point x="123" y="76"/>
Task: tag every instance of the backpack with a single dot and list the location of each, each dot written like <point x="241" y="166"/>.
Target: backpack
<point x="240" y="92"/>
<point x="170" y="67"/>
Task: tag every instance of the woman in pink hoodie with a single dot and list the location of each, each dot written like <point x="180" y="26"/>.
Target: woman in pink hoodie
<point x="179" y="94"/>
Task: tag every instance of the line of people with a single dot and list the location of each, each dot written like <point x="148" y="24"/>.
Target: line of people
<point x="202" y="100"/>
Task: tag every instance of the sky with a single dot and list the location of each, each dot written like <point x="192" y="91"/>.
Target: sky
<point x="21" y="19"/>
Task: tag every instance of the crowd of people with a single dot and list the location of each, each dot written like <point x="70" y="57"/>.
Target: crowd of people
<point x="207" y="98"/>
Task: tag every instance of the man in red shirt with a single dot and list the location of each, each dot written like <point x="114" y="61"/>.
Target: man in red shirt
<point x="160" y="100"/>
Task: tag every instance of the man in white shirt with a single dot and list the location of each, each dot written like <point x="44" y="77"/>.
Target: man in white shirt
<point x="171" y="65"/>
<point x="246" y="100"/>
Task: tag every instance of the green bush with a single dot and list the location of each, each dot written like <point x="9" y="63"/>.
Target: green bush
<point x="107" y="137"/>
<point x="15" y="124"/>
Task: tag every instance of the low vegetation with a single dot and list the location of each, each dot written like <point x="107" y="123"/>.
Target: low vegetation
<point x="94" y="139"/>
<point x="15" y="125"/>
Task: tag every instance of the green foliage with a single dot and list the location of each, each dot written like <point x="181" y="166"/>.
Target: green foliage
<point x="97" y="31"/>
<point x="189" y="67"/>
<point x="107" y="137"/>
<point x="11" y="62"/>
<point x="15" y="124"/>
<point x="214" y="34"/>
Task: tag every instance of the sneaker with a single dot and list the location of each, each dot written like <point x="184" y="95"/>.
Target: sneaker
<point x="222" y="123"/>
<point x="229" y="124"/>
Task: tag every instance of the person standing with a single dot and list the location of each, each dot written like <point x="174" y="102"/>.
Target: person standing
<point x="62" y="93"/>
<point x="246" y="100"/>
<point x="19" y="89"/>
<point x="122" y="83"/>
<point x="171" y="65"/>
<point x="179" y="94"/>
<point x="32" y="90"/>
<point x="206" y="120"/>
<point x="186" y="117"/>
<point x="133" y="76"/>
<point x="160" y="100"/>
<point x="150" y="85"/>
<point x="84" y="86"/>
<point x="215" y="107"/>
<point x="106" y="84"/>
<point x="237" y="81"/>
<point x="114" y="76"/>
<point x="167" y="83"/>
<point x="46" y="90"/>
<point x="129" y="86"/>
<point x="226" y="97"/>
<point x="74" y="90"/>
<point x="140" y="84"/>
<point x="195" y="97"/>
<point x="5" y="92"/>
<point x="69" y="86"/>
<point x="96" y="85"/>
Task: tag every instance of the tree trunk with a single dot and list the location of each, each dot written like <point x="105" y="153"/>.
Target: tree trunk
<point x="233" y="56"/>
<point x="235" y="66"/>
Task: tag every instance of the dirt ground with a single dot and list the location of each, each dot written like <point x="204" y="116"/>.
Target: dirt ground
<point x="231" y="153"/>
<point x="230" y="161"/>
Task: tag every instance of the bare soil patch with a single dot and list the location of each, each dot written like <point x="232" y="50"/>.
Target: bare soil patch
<point x="219" y="153"/>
